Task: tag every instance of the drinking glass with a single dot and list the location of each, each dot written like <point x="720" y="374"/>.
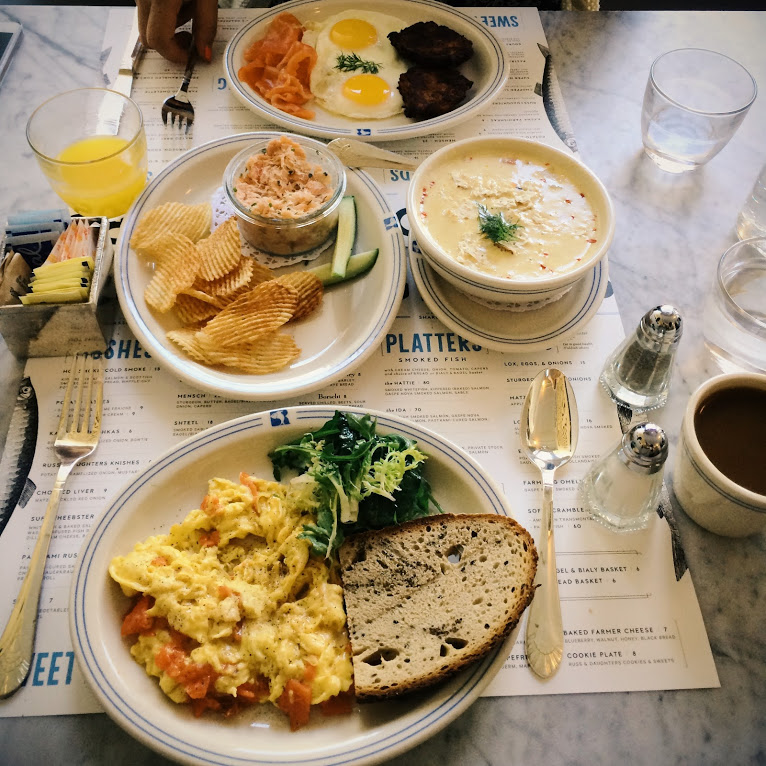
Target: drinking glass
<point x="694" y="102"/>
<point x="91" y="146"/>
<point x="734" y="322"/>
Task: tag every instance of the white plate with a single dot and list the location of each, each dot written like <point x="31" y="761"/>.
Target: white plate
<point x="488" y="69"/>
<point x="161" y="495"/>
<point x="336" y="338"/>
<point x="511" y="331"/>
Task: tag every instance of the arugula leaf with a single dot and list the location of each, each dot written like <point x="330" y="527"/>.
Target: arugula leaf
<point x="351" y="62"/>
<point x="494" y="226"/>
<point x="358" y="479"/>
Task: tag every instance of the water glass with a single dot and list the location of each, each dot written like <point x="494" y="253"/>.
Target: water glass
<point x="91" y="146"/>
<point x="735" y="311"/>
<point x="751" y="221"/>
<point x="694" y="102"/>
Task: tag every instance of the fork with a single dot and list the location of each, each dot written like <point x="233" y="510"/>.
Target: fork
<point x="77" y="437"/>
<point x="179" y="105"/>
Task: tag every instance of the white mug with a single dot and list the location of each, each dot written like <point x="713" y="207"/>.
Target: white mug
<point x="708" y="496"/>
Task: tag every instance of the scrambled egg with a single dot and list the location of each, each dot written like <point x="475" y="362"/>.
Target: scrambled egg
<point x="253" y="607"/>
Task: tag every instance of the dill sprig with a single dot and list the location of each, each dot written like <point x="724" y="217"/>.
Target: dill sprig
<point x="352" y="62"/>
<point x="494" y="226"/>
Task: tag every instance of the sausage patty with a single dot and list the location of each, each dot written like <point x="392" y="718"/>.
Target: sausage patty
<point x="432" y="45"/>
<point x="430" y="92"/>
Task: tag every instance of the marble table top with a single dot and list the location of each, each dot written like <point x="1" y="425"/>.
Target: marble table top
<point x="671" y="230"/>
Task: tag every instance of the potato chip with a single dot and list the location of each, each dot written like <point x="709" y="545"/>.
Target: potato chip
<point x="186" y="339"/>
<point x="193" y="221"/>
<point x="190" y="309"/>
<point x="309" y="288"/>
<point x="174" y="273"/>
<point x="201" y="295"/>
<point x="261" y="273"/>
<point x="251" y="316"/>
<point x="231" y="306"/>
<point x="269" y="354"/>
<point x="235" y="281"/>
<point x="221" y="251"/>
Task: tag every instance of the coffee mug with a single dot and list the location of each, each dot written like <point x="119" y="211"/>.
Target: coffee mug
<point x="719" y="476"/>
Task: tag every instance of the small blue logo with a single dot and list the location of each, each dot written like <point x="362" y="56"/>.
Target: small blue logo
<point x="279" y="418"/>
<point x="363" y="132"/>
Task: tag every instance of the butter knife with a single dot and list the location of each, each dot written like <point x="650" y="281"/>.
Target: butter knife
<point x="131" y="58"/>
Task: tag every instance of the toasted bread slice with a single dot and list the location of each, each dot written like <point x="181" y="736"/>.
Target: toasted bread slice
<point x="426" y="598"/>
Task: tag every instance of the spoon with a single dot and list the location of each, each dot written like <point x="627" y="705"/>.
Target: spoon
<point x="357" y="154"/>
<point x="549" y="438"/>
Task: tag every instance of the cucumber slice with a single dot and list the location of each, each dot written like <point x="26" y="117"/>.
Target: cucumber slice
<point x="344" y="240"/>
<point x="357" y="264"/>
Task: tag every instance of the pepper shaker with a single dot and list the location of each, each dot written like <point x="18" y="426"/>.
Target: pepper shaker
<point x="638" y="371"/>
<point x="622" y="489"/>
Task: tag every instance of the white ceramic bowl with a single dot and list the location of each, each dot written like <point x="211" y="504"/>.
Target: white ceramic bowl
<point x="707" y="495"/>
<point x="502" y="292"/>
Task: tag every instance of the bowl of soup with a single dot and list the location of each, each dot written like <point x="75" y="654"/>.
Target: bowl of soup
<point x="513" y="223"/>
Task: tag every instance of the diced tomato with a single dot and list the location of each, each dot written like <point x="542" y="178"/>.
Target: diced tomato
<point x="253" y="692"/>
<point x="137" y="620"/>
<point x="196" y="679"/>
<point x="247" y="481"/>
<point x="181" y="641"/>
<point x="224" y="592"/>
<point x="340" y="704"/>
<point x="210" y="505"/>
<point x="205" y="703"/>
<point x="295" y="700"/>
<point x="197" y="687"/>
<point x="209" y="539"/>
<point x="309" y="673"/>
<point x="160" y="561"/>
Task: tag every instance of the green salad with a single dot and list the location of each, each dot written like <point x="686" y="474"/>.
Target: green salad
<point x="355" y="478"/>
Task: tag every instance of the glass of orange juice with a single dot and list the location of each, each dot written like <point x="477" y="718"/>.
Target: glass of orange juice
<point x="91" y="145"/>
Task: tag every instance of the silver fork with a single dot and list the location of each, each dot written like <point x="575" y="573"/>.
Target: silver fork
<point x="77" y="437"/>
<point x="179" y="106"/>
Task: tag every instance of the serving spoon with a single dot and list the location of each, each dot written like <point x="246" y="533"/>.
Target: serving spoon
<point x="549" y="437"/>
<point x="358" y="154"/>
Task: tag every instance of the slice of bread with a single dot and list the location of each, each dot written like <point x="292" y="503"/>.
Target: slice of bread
<point x="426" y="598"/>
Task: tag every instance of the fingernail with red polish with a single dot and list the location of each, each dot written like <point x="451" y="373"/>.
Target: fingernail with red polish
<point x="208" y="53"/>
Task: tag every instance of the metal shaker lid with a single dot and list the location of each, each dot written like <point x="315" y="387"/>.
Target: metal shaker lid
<point x="662" y="326"/>
<point x="644" y="448"/>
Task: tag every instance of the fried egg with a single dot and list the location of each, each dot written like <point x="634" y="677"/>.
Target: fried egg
<point x="357" y="68"/>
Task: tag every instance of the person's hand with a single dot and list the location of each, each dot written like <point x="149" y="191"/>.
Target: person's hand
<point x="159" y="19"/>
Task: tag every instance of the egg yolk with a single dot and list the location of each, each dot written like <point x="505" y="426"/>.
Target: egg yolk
<point x="353" y="34"/>
<point x="366" y="89"/>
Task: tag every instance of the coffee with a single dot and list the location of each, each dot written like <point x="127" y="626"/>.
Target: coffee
<point x="730" y="425"/>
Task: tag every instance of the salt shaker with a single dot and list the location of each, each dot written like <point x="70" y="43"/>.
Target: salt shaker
<point x="638" y="371"/>
<point x="622" y="489"/>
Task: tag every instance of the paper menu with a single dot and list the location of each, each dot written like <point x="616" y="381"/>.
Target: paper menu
<point x="628" y="624"/>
